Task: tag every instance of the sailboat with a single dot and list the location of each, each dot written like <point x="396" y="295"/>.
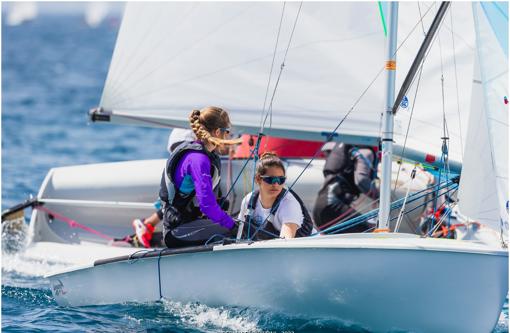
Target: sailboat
<point x="407" y="280"/>
<point x="106" y="197"/>
<point x="20" y="12"/>
<point x="95" y="13"/>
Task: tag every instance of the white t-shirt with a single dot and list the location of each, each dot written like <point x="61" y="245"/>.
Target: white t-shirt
<point x="289" y="211"/>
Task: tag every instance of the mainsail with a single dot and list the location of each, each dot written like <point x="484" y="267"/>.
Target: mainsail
<point x="483" y="193"/>
<point x="173" y="57"/>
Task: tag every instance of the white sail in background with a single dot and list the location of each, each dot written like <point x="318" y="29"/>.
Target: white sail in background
<point x="95" y="13"/>
<point x="20" y="12"/>
<point x="483" y="195"/>
<point x="173" y="57"/>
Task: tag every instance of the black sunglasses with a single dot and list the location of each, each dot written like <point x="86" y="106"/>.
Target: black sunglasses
<point x="225" y="130"/>
<point x="274" y="179"/>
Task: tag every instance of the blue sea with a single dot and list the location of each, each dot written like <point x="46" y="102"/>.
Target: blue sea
<point x="53" y="70"/>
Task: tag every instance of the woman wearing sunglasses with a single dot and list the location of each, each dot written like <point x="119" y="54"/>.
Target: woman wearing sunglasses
<point x="273" y="211"/>
<point x="190" y="182"/>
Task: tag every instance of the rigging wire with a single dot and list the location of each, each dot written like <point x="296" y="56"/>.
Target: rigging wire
<point x="414" y="100"/>
<point x="445" y="138"/>
<point x="456" y="84"/>
<point x="416" y="92"/>
<point x="401" y="214"/>
<point x="270" y="108"/>
<point x="282" y="66"/>
<point x="396" y="204"/>
<point x="271" y="70"/>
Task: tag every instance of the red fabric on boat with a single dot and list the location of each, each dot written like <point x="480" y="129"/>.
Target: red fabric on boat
<point x="282" y="147"/>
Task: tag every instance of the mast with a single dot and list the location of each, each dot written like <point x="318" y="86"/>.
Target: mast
<point x="387" y="131"/>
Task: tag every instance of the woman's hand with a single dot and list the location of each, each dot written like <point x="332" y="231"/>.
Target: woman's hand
<point x="289" y="230"/>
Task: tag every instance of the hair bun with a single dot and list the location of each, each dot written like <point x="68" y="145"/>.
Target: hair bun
<point x="268" y="154"/>
<point x="194" y="115"/>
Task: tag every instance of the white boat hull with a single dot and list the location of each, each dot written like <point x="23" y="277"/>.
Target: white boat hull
<point x="381" y="282"/>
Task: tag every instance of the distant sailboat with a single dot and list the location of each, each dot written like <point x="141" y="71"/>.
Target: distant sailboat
<point x="95" y="13"/>
<point x="20" y="12"/>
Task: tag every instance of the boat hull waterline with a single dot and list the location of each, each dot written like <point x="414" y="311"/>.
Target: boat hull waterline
<point x="331" y="276"/>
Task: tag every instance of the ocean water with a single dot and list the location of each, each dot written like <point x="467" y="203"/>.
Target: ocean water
<point x="53" y="69"/>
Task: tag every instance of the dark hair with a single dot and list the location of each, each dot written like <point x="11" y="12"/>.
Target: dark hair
<point x="268" y="160"/>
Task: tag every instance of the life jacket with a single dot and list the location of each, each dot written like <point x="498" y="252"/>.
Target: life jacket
<point x="339" y="167"/>
<point x="305" y="229"/>
<point x="185" y="203"/>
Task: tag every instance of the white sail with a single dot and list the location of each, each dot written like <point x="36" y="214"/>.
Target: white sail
<point x="451" y="56"/>
<point x="483" y="194"/>
<point x="173" y="57"/>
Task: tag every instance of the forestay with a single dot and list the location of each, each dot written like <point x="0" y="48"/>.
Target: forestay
<point x="483" y="192"/>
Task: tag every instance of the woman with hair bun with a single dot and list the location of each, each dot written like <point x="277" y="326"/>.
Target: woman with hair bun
<point x="273" y="211"/>
<point x="190" y="182"/>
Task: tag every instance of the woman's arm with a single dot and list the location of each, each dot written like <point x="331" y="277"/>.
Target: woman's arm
<point x="289" y="230"/>
<point x="291" y="216"/>
<point x="199" y="167"/>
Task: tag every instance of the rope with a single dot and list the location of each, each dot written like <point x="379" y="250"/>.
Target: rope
<point x="73" y="224"/>
<point x="401" y="214"/>
<point x="213" y="236"/>
<point x="252" y="152"/>
<point x="255" y="158"/>
<point x="418" y="83"/>
<point x="159" y="274"/>
<point x="270" y="108"/>
<point x="375" y="212"/>
<point x="394" y="205"/>
<point x="409" y="123"/>
<point x="271" y="70"/>
<point x="132" y="260"/>
<point x="456" y="83"/>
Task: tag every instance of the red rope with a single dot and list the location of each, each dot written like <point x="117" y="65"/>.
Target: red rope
<point x="336" y="219"/>
<point x="73" y="223"/>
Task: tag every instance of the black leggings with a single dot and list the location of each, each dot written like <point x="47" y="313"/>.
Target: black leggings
<point x="194" y="233"/>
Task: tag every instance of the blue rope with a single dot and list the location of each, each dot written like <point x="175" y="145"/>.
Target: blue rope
<point x="357" y="220"/>
<point x="159" y="274"/>
<point x="215" y="235"/>
<point x="396" y="204"/>
<point x="132" y="260"/>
